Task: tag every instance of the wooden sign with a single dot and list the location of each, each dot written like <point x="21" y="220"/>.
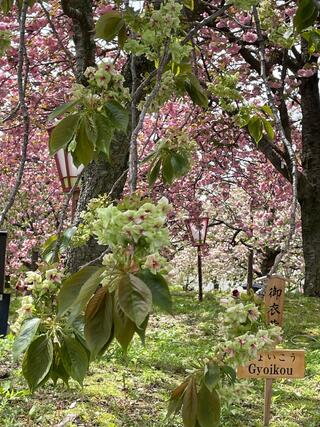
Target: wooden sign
<point x="275" y="364"/>
<point x="274" y="300"/>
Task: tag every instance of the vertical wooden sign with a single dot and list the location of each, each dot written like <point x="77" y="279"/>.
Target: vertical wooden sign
<point x="274" y="300"/>
<point x="274" y="303"/>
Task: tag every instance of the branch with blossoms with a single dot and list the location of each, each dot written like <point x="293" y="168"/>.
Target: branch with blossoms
<point x="23" y="68"/>
<point x="286" y="142"/>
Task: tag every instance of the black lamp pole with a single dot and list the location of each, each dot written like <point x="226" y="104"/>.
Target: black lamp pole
<point x="200" y="294"/>
<point x="4" y="298"/>
<point x="3" y="245"/>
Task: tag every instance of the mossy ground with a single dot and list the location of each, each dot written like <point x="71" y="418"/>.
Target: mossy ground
<point x="132" y="391"/>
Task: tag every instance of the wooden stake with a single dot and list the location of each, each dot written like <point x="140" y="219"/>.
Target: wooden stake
<point x="267" y="401"/>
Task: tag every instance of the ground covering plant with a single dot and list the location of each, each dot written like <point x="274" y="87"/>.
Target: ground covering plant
<point x="134" y="390"/>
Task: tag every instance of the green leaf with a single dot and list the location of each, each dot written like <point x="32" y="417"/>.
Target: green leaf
<point x="84" y="149"/>
<point x="175" y="402"/>
<point x="190" y="404"/>
<point x="122" y="36"/>
<point x="48" y="247"/>
<point x="6" y="6"/>
<point x="109" y="25"/>
<point x="230" y="373"/>
<point x="57" y="368"/>
<point x="124" y="328"/>
<point x="269" y="129"/>
<point x="37" y="361"/>
<point x="105" y="134"/>
<point x="267" y="109"/>
<point x="135" y="298"/>
<point x="208" y="412"/>
<point x="63" y="108"/>
<point x="189" y="4"/>
<point x="26" y="335"/>
<point x="74" y="358"/>
<point x="212" y="375"/>
<point x="159" y="289"/>
<point x="86" y="291"/>
<point x="63" y="133"/>
<point x="154" y="172"/>
<point x="167" y="170"/>
<point x="255" y="128"/>
<point x="118" y="116"/>
<point x="180" y="164"/>
<point x="141" y="330"/>
<point x="195" y="91"/>
<point x="306" y="15"/>
<point x="71" y="287"/>
<point x="98" y="320"/>
<point x="91" y="128"/>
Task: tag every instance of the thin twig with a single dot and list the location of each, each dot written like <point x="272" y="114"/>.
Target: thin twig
<point x="53" y="28"/>
<point x="285" y="141"/>
<point x="117" y="182"/>
<point x="22" y="79"/>
<point x="96" y="260"/>
<point x="204" y="22"/>
<point x="63" y="216"/>
<point x="133" y="160"/>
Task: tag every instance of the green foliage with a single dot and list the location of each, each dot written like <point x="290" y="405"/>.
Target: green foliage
<point x="171" y="157"/>
<point x="212" y="375"/>
<point x="135" y="298"/>
<point x="209" y="410"/>
<point x="6" y="5"/>
<point x="49" y="246"/>
<point x="306" y="14"/>
<point x="159" y="288"/>
<point x="110" y="25"/>
<point x="71" y="287"/>
<point x="258" y="125"/>
<point x="26" y="335"/>
<point x="188" y="82"/>
<point x="74" y="359"/>
<point x="62" y="134"/>
<point x="63" y="108"/>
<point x="37" y="361"/>
<point x="188" y="3"/>
<point x="255" y="127"/>
<point x="313" y="38"/>
<point x="5" y="41"/>
<point x="190" y="404"/>
<point x="88" y="132"/>
<point x="244" y="4"/>
<point x="225" y="88"/>
<point x="98" y="321"/>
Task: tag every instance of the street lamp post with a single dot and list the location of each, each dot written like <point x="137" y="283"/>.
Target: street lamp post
<point x="4" y="298"/>
<point x="197" y="227"/>
<point x="68" y="173"/>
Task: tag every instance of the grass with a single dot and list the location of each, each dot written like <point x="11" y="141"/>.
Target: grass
<point x="132" y="391"/>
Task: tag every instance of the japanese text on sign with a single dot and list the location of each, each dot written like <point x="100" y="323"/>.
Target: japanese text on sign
<point x="274" y="300"/>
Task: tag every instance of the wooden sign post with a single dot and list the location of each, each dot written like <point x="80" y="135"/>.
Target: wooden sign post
<point x="278" y="363"/>
<point x="275" y="364"/>
<point x="274" y="299"/>
<point x="274" y="303"/>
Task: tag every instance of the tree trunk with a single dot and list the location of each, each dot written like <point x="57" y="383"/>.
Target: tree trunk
<point x="100" y="178"/>
<point x="309" y="187"/>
